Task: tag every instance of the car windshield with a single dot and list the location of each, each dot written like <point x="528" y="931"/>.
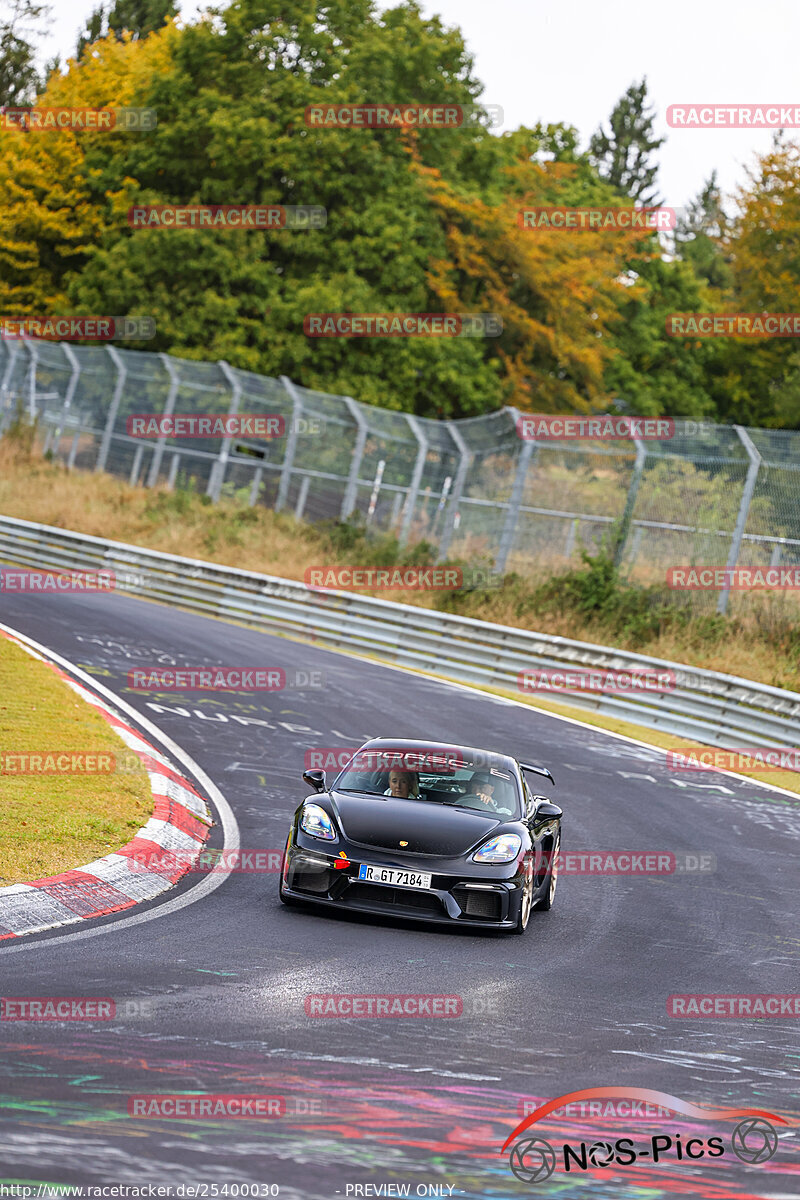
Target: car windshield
<point x="478" y="781"/>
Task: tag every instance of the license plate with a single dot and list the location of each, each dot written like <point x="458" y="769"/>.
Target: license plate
<point x="393" y="876"/>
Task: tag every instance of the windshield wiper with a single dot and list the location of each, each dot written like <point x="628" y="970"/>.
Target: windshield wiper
<point x="360" y="792"/>
<point x="483" y="812"/>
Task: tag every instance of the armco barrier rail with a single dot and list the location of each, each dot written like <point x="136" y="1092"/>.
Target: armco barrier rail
<point x="715" y="709"/>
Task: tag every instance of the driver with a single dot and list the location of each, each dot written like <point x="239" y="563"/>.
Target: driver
<point x="483" y="785"/>
<point x="403" y="784"/>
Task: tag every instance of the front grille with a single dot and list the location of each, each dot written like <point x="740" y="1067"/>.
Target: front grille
<point x="373" y="893"/>
<point x="480" y="905"/>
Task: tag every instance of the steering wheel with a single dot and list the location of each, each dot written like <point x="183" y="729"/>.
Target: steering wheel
<point x="479" y="804"/>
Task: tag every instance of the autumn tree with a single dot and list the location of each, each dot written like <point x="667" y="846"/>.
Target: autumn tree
<point x="761" y="383"/>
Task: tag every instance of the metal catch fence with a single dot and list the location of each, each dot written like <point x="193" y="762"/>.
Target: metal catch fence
<point x="710" y="494"/>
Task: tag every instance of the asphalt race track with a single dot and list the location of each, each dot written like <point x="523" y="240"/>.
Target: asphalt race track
<point x="210" y="996"/>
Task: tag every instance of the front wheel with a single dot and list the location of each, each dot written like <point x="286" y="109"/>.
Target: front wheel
<point x="546" y="903"/>
<point x="526" y="903"/>
<point x="289" y="901"/>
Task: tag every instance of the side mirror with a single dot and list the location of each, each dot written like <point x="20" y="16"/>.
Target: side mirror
<point x="546" y="810"/>
<point x="315" y="779"/>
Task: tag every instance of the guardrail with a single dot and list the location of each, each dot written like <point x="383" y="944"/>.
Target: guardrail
<point x="712" y="708"/>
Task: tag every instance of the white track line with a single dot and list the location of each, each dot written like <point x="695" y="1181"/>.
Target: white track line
<point x="230" y="827"/>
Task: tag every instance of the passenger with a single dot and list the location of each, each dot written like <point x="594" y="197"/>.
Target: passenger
<point x="404" y="785"/>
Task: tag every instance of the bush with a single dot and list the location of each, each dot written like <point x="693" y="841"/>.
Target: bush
<point x="21" y="434"/>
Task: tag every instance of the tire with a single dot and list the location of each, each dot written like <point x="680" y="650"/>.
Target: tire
<point x="526" y="902"/>
<point x="546" y="903"/>
<point x="289" y="901"/>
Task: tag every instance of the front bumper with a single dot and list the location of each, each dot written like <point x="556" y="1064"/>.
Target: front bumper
<point x="455" y="897"/>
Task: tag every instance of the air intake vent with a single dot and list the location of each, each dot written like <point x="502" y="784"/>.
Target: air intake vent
<point x="480" y="905"/>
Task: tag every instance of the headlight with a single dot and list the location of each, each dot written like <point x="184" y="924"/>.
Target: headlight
<point x="500" y="849"/>
<point x="316" y="822"/>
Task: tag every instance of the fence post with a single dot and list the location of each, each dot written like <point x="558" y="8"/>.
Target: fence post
<point x="169" y="408"/>
<point x="255" y="486"/>
<point x="464" y="464"/>
<point x="173" y="471"/>
<point x="291" y="443"/>
<point x="105" y="442"/>
<point x="13" y="351"/>
<point x="217" y="473"/>
<point x="416" y="478"/>
<point x="630" y="502"/>
<point x="572" y="533"/>
<point x="32" y="389"/>
<point x="744" y="509"/>
<point x="69" y="354"/>
<point x="376" y="487"/>
<point x="137" y="465"/>
<point x="515" y="500"/>
<point x="302" y="496"/>
<point x="351" y="490"/>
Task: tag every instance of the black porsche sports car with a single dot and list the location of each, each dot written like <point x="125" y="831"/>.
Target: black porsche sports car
<point x="426" y="831"/>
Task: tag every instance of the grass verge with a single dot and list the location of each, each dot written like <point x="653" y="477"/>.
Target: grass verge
<point x="51" y="823"/>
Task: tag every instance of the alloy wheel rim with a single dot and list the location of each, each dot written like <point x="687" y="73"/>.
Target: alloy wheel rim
<point x="527" y="899"/>
<point x="554" y="870"/>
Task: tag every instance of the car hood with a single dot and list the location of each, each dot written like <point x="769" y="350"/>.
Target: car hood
<point x="385" y="821"/>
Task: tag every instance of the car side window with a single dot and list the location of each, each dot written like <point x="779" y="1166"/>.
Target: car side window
<point x="529" y="801"/>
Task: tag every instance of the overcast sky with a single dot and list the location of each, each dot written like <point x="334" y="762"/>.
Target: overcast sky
<point x="571" y="60"/>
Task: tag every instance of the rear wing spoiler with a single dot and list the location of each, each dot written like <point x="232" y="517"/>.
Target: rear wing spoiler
<point x="538" y="771"/>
